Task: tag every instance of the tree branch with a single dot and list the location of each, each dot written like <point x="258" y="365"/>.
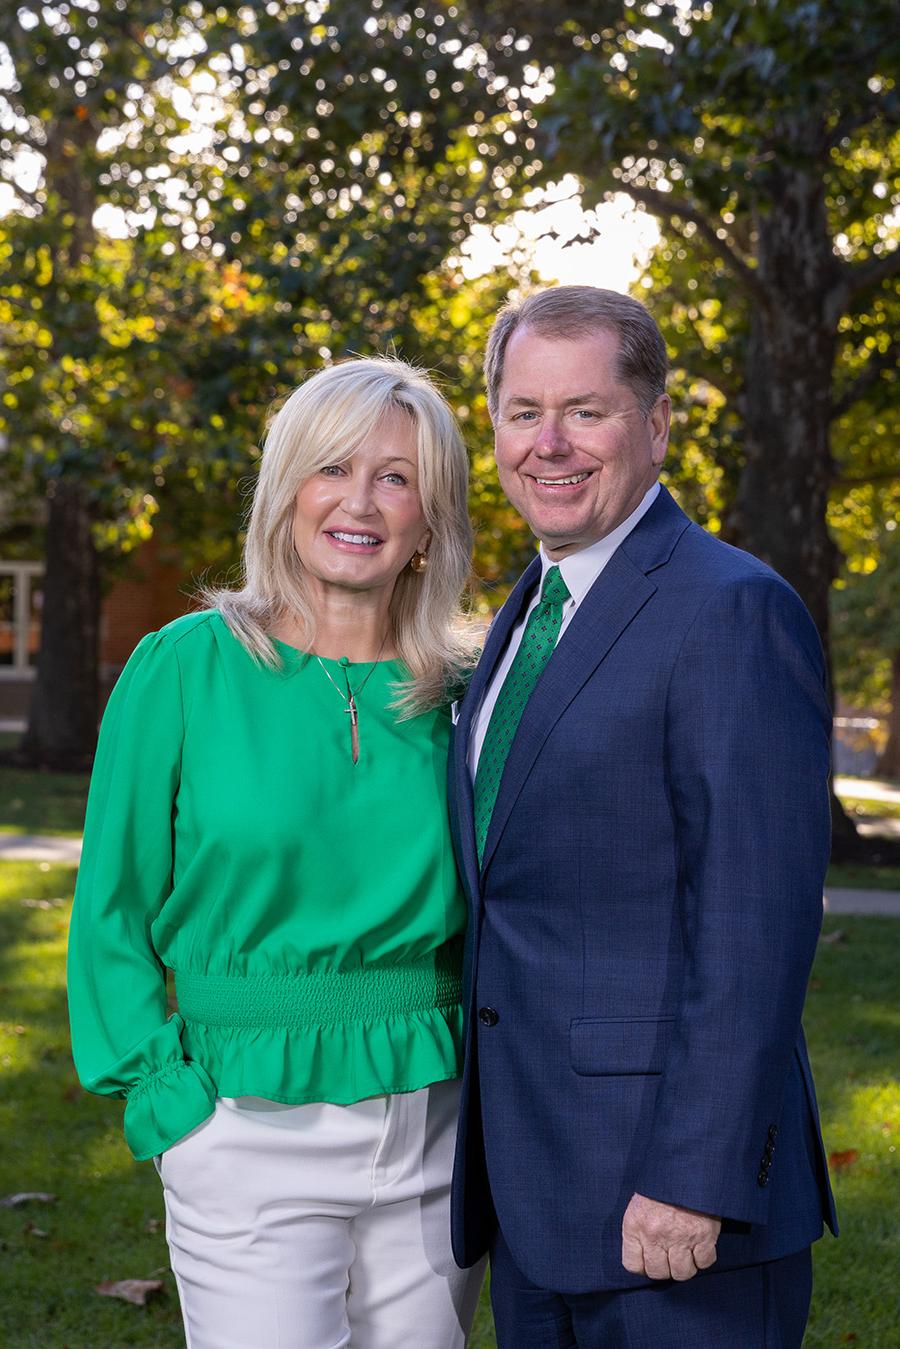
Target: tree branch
<point x="669" y="207"/>
<point x="706" y="371"/>
<point x="17" y="304"/>
<point x="852" y="121"/>
<point x="858" y="277"/>
<point x="23" y="192"/>
<point x="699" y="361"/>
<point x="864" y="479"/>
<point x="871" y="372"/>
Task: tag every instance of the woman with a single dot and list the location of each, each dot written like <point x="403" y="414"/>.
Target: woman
<point x="267" y="818"/>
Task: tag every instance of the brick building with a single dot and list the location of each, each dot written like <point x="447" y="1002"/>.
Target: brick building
<point x="153" y="592"/>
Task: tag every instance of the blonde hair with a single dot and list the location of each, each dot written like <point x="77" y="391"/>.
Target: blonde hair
<point x="320" y="423"/>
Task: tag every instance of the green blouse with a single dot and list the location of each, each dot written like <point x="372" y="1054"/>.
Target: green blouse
<point x="309" y="907"/>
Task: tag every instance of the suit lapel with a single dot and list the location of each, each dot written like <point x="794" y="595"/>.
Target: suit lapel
<point x="618" y="594"/>
<point x="502" y="626"/>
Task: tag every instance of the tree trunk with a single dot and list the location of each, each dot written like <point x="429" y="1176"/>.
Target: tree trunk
<point x="62" y="726"/>
<point x="889" y="762"/>
<point x="780" y="509"/>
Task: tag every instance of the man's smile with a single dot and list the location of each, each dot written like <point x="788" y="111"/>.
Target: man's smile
<point x="573" y="480"/>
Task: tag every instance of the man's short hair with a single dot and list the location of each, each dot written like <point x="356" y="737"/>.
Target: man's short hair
<point x="572" y="312"/>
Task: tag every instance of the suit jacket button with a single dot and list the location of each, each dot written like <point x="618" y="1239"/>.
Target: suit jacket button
<point x="487" y="1016"/>
<point x="770" y="1150"/>
<point x="773" y="1132"/>
<point x="762" y="1179"/>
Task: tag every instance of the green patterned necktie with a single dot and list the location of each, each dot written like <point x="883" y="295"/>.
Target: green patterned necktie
<point x="535" y="649"/>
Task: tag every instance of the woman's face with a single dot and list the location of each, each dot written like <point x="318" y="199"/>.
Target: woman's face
<point x="358" y="523"/>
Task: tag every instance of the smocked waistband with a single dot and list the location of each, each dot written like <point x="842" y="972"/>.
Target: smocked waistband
<point x="302" y="1001"/>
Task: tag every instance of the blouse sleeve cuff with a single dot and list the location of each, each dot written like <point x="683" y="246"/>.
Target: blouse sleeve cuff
<point x="165" y="1106"/>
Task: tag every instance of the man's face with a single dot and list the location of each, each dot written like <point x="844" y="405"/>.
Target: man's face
<point x="575" y="454"/>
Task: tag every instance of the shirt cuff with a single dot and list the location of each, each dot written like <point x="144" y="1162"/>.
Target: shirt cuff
<point x="165" y="1106"/>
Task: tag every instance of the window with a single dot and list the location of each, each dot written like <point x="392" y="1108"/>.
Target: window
<point x="21" y="594"/>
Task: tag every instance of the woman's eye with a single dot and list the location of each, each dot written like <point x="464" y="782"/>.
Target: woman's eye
<point x="331" y="470"/>
<point x="395" y="477"/>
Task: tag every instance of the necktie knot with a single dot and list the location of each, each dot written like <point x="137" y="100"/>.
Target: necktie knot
<point x="554" y="590"/>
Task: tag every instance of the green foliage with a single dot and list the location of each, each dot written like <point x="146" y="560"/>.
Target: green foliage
<point x="763" y="137"/>
<point x="710" y="119"/>
<point x="705" y="334"/>
<point x="866" y="615"/>
<point x="286" y="201"/>
<point x="291" y="179"/>
<point x="90" y="323"/>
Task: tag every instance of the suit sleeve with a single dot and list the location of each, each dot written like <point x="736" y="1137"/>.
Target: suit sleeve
<point x="748" y="747"/>
<point x="123" y="1040"/>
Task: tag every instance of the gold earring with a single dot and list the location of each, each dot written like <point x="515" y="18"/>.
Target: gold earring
<point x="419" y="561"/>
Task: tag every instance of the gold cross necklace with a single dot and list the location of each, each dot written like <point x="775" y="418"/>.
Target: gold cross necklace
<point x="351" y="695"/>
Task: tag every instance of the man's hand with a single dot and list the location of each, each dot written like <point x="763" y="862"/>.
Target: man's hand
<point x="665" y="1242"/>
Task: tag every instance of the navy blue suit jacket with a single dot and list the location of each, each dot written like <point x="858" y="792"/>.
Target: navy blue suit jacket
<point x="645" y="918"/>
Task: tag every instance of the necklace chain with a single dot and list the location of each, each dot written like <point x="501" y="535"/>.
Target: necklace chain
<point x="351" y="696"/>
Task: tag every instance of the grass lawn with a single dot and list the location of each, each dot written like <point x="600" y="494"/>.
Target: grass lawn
<point x="849" y="876"/>
<point x="105" y="1223"/>
<point x="41" y="803"/>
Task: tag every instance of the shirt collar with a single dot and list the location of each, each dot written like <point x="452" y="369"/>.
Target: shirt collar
<point x="580" y="570"/>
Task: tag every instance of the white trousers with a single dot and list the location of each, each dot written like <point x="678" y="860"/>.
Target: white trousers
<point x="319" y="1226"/>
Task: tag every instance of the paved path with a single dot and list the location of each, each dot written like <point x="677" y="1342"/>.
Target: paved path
<point x="862" y="901"/>
<point x="39" y="848"/>
<point x="51" y="848"/>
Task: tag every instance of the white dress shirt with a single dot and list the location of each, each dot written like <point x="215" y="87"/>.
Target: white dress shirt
<point x="579" y="571"/>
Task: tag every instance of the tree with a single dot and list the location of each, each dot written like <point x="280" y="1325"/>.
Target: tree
<point x="84" y="377"/>
<point x="286" y="202"/>
<point x="761" y="135"/>
<point x="865" y="520"/>
<point x="867" y="636"/>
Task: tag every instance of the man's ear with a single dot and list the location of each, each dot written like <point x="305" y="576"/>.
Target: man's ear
<point x="658" y="421"/>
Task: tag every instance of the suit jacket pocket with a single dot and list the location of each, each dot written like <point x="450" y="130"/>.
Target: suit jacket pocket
<point x="619" y="1046"/>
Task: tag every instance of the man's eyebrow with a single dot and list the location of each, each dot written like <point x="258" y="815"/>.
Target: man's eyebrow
<point x="522" y="400"/>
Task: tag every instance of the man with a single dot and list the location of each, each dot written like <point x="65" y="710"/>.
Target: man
<point x="641" y="816"/>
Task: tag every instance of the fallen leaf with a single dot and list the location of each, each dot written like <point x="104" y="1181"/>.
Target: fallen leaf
<point x="31" y="1231"/>
<point x="851" y="1335"/>
<point x="833" y="938"/>
<point x="839" y="1161"/>
<point x="27" y="1197"/>
<point x="131" y="1290"/>
<point x="815" y="983"/>
<point x="73" y="1093"/>
<point x="153" y="1224"/>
